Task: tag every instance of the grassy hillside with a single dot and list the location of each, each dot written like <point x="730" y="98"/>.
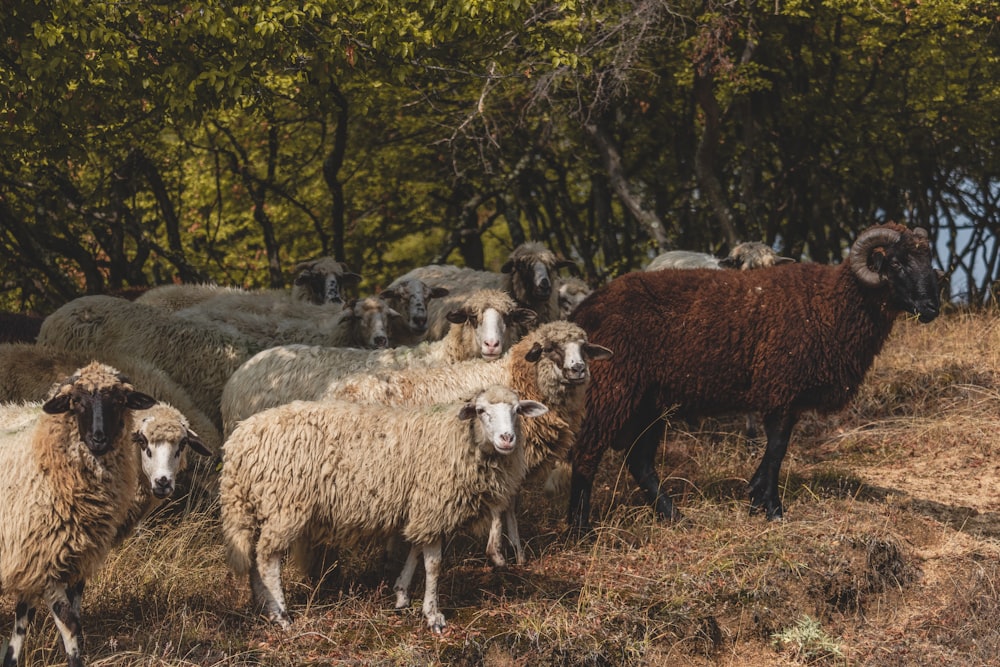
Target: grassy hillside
<point x="888" y="555"/>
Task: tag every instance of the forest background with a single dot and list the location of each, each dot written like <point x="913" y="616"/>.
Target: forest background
<point x="152" y="142"/>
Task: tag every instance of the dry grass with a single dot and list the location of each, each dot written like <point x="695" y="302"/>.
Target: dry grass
<point x="888" y="555"/>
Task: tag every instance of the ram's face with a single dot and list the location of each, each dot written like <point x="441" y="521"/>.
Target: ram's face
<point x="906" y="266"/>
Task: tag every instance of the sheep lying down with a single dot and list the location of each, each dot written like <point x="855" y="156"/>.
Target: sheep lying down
<point x="337" y="473"/>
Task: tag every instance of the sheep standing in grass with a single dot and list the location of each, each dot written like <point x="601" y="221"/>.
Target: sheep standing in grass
<point x="359" y="322"/>
<point x="483" y="327"/>
<point x="303" y="471"/>
<point x="198" y="357"/>
<point x="409" y="298"/>
<point x="70" y="475"/>
<point x="780" y="342"/>
<point x="529" y="275"/>
<point x="550" y="365"/>
<point x="744" y="256"/>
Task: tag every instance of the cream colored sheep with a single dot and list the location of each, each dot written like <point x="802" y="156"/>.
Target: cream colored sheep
<point x="571" y="292"/>
<point x="484" y="326"/>
<point x="744" y="256"/>
<point x="529" y="275"/>
<point x="70" y="476"/>
<point x="549" y="365"/>
<point x="198" y="357"/>
<point x="303" y="471"/>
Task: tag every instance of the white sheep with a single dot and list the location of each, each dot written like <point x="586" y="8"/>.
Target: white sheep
<point x="409" y="298"/>
<point x="28" y="372"/>
<point x="198" y="357"/>
<point x="571" y="292"/>
<point x="483" y="327"/>
<point x="549" y="365"/>
<point x="529" y="275"/>
<point x="744" y="256"/>
<point x="303" y="472"/>
<point x="70" y="475"/>
<point x="317" y="281"/>
<point x="359" y="322"/>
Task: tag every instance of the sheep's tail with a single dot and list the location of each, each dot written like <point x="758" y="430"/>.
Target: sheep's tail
<point x="238" y="534"/>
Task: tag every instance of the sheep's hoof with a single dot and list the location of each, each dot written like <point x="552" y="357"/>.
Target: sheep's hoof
<point x="498" y="562"/>
<point x="772" y="509"/>
<point x="281" y="619"/>
<point x="436" y="622"/>
<point x="402" y="599"/>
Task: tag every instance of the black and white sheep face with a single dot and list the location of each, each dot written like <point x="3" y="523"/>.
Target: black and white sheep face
<point x="571" y="358"/>
<point x="410" y="300"/>
<point x="495" y="411"/>
<point x="323" y="280"/>
<point x="162" y="448"/>
<point x="371" y="317"/>
<point x="100" y="413"/>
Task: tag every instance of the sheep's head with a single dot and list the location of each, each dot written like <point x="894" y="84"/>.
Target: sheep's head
<point x="322" y="280"/>
<point x="495" y="411"/>
<point x="370" y="318"/>
<point x="99" y="397"/>
<point x="753" y="255"/>
<point x="532" y="268"/>
<point x="163" y="435"/>
<point x="894" y="257"/>
<point x="561" y="349"/>
<point x="493" y="318"/>
<point x="571" y="292"/>
<point x="410" y="298"/>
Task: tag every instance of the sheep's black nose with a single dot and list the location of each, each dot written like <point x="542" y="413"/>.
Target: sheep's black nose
<point x="381" y="341"/>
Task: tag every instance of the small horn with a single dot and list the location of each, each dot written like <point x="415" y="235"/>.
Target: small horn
<point x="862" y="249"/>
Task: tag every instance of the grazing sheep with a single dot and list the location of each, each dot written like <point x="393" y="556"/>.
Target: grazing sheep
<point x="549" y="365"/>
<point x="70" y="475"/>
<point x="198" y="357"/>
<point x="19" y="327"/>
<point x="303" y="471"/>
<point x="28" y="372"/>
<point x="571" y="292"/>
<point x="163" y="436"/>
<point x="360" y="322"/>
<point x="780" y="342"/>
<point x="409" y="298"/>
<point x="528" y="275"/>
<point x="745" y="256"/>
<point x="483" y="327"/>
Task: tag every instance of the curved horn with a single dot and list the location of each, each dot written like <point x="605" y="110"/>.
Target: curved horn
<point x="862" y="249"/>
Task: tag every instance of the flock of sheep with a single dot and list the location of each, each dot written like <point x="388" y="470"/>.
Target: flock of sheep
<point x="468" y="385"/>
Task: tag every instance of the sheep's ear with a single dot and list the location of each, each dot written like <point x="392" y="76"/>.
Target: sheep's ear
<point x="876" y="259"/>
<point x="535" y="353"/>
<point x="730" y="263"/>
<point x="523" y="316"/>
<point x="136" y="400"/>
<point x="467" y="412"/>
<point x="391" y="312"/>
<point x="784" y="260"/>
<point x="457" y="316"/>
<point x="348" y="278"/>
<point x="567" y="264"/>
<point x="507" y="267"/>
<point x="391" y="293"/>
<point x="438" y="292"/>
<point x="195" y="443"/>
<point x="531" y="409"/>
<point x="57" y="405"/>
<point x="596" y="352"/>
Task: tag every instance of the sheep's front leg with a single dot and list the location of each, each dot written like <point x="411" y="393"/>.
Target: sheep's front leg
<point x="494" y="545"/>
<point x="265" y="582"/>
<point x="67" y="622"/>
<point x="513" y="534"/>
<point x="764" y="495"/>
<point x="640" y="459"/>
<point x="432" y="569"/>
<point x="402" y="586"/>
<point x="24" y="614"/>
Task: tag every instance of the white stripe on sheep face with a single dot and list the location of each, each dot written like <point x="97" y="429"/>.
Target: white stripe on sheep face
<point x="489" y="329"/>
<point x="162" y="450"/>
<point x="495" y="422"/>
<point x="571" y="358"/>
